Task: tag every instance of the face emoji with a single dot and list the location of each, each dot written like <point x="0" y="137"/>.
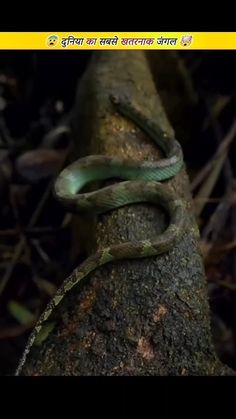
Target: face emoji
<point x="186" y="40"/>
<point x="52" y="41"/>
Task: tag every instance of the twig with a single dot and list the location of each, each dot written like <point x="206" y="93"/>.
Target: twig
<point x="217" y="130"/>
<point x="209" y="183"/>
<point x="221" y="149"/>
<point x="22" y="242"/>
<point x="12" y="332"/>
<point x="218" y="218"/>
<point x="224" y="284"/>
<point x="51" y="137"/>
<point x="17" y="253"/>
<point x="198" y="61"/>
<point x="228" y="246"/>
<point x="40" y="230"/>
<point x="44" y="285"/>
<point x="214" y="112"/>
<point x="44" y="256"/>
<point x="186" y="77"/>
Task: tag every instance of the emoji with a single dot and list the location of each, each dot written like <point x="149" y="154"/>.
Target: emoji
<point x="52" y="41"/>
<point x="186" y="40"/>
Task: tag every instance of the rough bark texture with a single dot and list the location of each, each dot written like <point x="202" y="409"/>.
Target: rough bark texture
<point x="139" y="317"/>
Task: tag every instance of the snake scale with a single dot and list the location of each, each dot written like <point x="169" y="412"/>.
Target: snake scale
<point x="141" y="185"/>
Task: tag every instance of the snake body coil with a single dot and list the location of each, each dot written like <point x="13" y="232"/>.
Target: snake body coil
<point x="142" y="186"/>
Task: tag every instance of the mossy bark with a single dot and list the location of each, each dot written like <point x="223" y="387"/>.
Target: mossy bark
<point x="134" y="317"/>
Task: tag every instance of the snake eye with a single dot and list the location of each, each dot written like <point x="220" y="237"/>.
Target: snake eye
<point x="114" y="99"/>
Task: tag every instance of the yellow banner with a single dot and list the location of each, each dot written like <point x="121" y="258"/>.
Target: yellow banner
<point x="117" y="40"/>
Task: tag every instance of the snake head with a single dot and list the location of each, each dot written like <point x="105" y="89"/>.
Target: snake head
<point x="120" y="101"/>
<point x="119" y="98"/>
<point x="114" y="98"/>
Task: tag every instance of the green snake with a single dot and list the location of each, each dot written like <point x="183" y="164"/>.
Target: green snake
<point x="141" y="185"/>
